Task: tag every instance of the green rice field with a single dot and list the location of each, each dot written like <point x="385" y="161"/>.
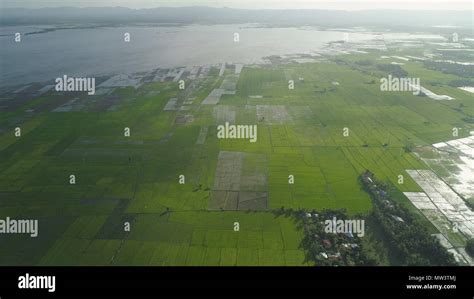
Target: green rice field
<point x="135" y="180"/>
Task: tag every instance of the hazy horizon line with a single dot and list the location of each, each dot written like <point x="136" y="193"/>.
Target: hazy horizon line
<point x="236" y="8"/>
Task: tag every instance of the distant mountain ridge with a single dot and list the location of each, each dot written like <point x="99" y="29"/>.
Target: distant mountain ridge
<point x="210" y="15"/>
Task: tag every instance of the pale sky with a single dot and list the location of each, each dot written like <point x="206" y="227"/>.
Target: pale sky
<point x="465" y="5"/>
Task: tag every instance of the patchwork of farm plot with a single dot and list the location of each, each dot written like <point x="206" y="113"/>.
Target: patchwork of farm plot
<point x="183" y="191"/>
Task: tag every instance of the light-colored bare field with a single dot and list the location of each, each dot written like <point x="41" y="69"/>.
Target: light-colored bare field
<point x="273" y="114"/>
<point x="172" y="105"/>
<point x="240" y="182"/>
<point x="202" y="135"/>
<point x="223" y="114"/>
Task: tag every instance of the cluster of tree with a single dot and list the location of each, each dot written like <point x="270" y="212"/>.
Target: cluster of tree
<point x="461" y="82"/>
<point x="458" y="55"/>
<point x="365" y="62"/>
<point x="470" y="204"/>
<point x="466" y="71"/>
<point x="405" y="233"/>
<point x="392" y="69"/>
<point x="468" y="119"/>
<point x="470" y="247"/>
<point x="327" y="248"/>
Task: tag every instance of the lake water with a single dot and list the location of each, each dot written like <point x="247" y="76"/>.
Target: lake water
<point x="99" y="51"/>
<point x="102" y="51"/>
